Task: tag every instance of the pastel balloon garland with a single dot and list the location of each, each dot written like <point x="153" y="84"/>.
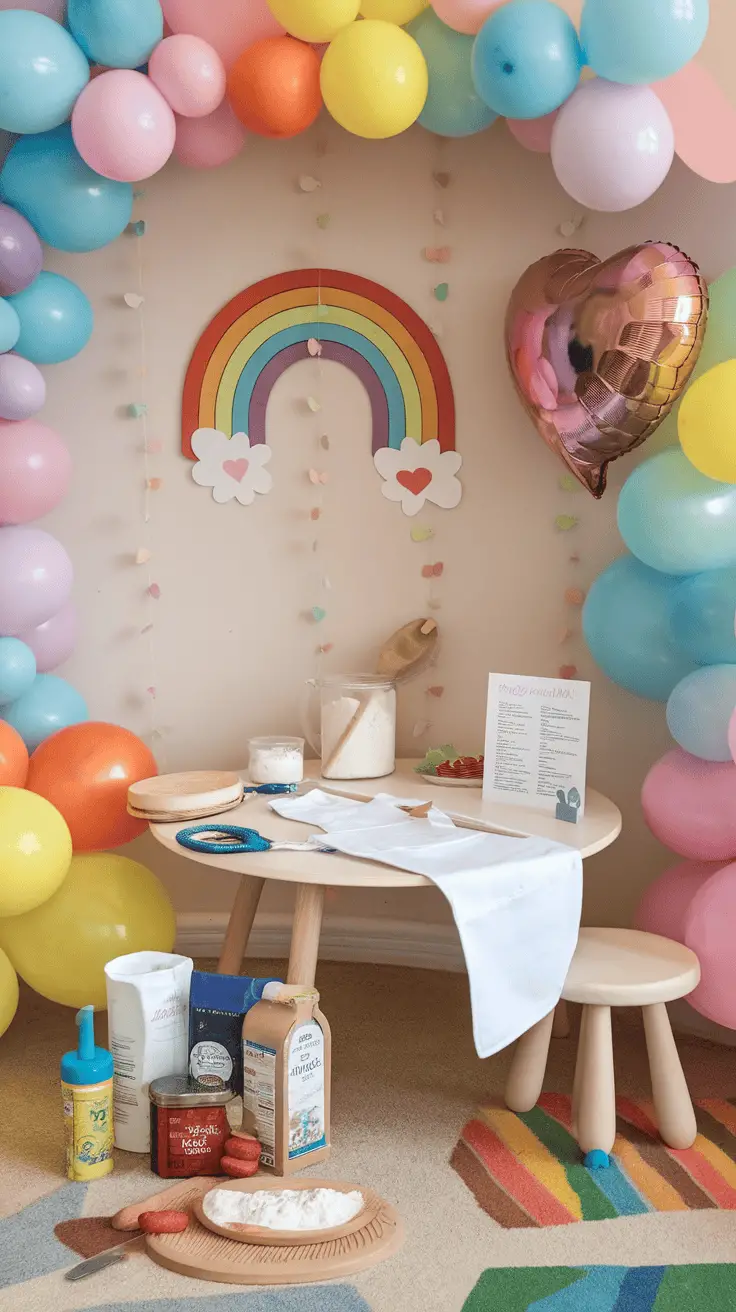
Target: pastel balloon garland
<point x="661" y="622"/>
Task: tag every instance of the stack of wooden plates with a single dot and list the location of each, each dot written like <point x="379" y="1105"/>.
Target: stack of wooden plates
<point x="194" y="795"/>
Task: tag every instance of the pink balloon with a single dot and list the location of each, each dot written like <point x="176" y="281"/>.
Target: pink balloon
<point x="465" y="15"/>
<point x="732" y="735"/>
<point x="122" y="126"/>
<point x="690" y="805"/>
<point x="666" y="902"/>
<point x="229" y="27"/>
<point x="534" y="133"/>
<point x="55" y="9"/>
<point x="205" y="143"/>
<point x="35" y="468"/>
<point x="35" y="578"/>
<point x="710" y="928"/>
<point x="704" y="121"/>
<point x="189" y="74"/>
<point x="612" y="145"/>
<point x="52" y="642"/>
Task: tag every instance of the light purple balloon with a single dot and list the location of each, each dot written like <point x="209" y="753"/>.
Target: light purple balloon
<point x="22" y="387"/>
<point x="52" y="642"/>
<point x="21" y="256"/>
<point x="36" y="578"/>
<point x="612" y="146"/>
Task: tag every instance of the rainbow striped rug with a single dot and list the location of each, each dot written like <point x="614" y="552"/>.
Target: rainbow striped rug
<point x="527" y="1170"/>
<point x="605" y="1289"/>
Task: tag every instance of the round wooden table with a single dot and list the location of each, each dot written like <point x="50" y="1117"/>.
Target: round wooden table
<point x="312" y="872"/>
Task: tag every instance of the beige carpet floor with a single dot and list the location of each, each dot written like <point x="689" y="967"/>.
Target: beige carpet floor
<point x="405" y="1079"/>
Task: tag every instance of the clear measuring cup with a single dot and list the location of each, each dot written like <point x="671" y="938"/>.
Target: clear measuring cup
<point x="350" y="721"/>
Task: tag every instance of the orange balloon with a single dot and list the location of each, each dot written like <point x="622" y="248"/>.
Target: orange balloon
<point x="274" y="87"/>
<point x="85" y="772"/>
<point x="13" y="757"/>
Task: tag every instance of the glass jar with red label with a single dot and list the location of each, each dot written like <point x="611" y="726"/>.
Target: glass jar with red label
<point x="189" y="1127"/>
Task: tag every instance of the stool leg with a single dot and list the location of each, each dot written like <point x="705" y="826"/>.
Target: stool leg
<point x="596" y="1112"/>
<point x="526" y="1077"/>
<point x="672" y="1102"/>
<point x="305" y="934"/>
<point x="578" y="1072"/>
<point x="561" y="1023"/>
<point x="240" y="924"/>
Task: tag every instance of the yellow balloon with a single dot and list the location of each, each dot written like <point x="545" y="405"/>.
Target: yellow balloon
<point x="8" y="992"/>
<point x="706" y="423"/>
<point x="108" y="905"/>
<point x="393" y="11"/>
<point x="35" y="850"/>
<point x="374" y="79"/>
<point x="314" y="20"/>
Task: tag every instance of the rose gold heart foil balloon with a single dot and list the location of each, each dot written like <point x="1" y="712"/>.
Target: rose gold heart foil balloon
<point x="601" y="351"/>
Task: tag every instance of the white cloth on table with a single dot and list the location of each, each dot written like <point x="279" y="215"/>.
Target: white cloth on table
<point x="516" y="901"/>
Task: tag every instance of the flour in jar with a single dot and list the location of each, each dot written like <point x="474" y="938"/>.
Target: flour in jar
<point x="283" y="1209"/>
<point x="369" y="749"/>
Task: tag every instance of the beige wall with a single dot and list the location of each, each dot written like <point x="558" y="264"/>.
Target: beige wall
<point x="230" y="649"/>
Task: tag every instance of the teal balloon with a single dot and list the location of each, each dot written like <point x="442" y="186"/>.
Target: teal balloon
<point x="117" y="33"/>
<point x="42" y="71"/>
<point x="17" y="669"/>
<point x="453" y="107"/>
<point x="675" y="519"/>
<point x="55" y="319"/>
<point x="49" y="704"/>
<point x="703" y="616"/>
<point x="626" y="624"/>
<point x="9" y="326"/>
<point x="70" y="206"/>
<point x="699" y="711"/>
<point x="526" y="59"/>
<point x="641" y="41"/>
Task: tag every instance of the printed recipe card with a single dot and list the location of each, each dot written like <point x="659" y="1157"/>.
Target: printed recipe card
<point x="537" y="743"/>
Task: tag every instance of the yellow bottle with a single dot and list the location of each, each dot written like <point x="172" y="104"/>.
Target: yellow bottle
<point x="86" y="1087"/>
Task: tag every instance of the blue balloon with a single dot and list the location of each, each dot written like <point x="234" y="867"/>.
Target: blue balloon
<point x="9" y="326"/>
<point x="703" y="615"/>
<point x="70" y="206"/>
<point x="42" y="71"/>
<point x="55" y="319"/>
<point x="641" y="41"/>
<point x="116" y="33"/>
<point x="49" y="704"/>
<point x="626" y="624"/>
<point x="699" y="711"/>
<point x="17" y="669"/>
<point x="453" y="107"/>
<point x="675" y="519"/>
<point x="526" y="59"/>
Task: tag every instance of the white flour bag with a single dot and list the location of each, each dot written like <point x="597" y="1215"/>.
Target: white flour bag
<point x="148" y="1020"/>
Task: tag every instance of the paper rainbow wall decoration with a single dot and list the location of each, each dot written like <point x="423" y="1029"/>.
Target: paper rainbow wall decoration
<point x="265" y="329"/>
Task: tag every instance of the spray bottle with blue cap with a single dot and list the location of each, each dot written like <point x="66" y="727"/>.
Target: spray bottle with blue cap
<point x="86" y="1086"/>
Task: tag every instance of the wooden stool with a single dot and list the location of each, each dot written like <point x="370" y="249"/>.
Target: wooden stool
<point x="615" y="968"/>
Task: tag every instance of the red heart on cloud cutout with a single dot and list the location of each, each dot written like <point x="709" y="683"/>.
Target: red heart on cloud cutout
<point x="414" y="480"/>
<point x="237" y="469"/>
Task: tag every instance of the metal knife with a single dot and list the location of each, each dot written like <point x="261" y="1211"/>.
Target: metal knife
<point x="103" y="1260"/>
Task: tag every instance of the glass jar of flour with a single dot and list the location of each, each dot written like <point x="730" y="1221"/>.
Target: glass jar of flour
<point x="356" y="737"/>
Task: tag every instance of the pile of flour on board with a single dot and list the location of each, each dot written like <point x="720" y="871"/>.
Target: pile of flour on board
<point x="283" y="1209"/>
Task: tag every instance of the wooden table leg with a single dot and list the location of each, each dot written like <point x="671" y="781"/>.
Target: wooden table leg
<point x="240" y="924"/>
<point x="305" y="934"/>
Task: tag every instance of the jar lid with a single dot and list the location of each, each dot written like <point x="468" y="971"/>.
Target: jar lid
<point x="182" y="1091"/>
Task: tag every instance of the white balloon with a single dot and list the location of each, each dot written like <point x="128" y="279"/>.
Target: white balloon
<point x="612" y="145"/>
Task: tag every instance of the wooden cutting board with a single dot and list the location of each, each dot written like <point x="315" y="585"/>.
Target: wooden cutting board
<point x="206" y="1256"/>
<point x="187" y="796"/>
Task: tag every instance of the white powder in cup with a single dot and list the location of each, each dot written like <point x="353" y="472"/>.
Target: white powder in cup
<point x="283" y="1209"/>
<point x="276" y="760"/>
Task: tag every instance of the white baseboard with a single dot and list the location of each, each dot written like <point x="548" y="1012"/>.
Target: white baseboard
<point x="384" y="942"/>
